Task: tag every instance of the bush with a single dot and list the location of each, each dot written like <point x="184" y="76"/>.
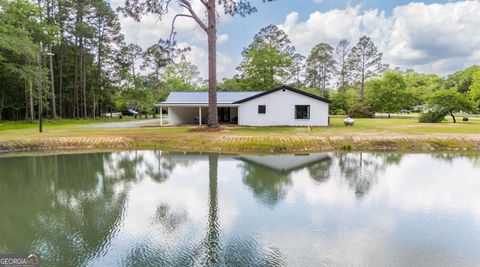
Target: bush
<point x="339" y="112"/>
<point x="432" y="116"/>
<point x="361" y="111"/>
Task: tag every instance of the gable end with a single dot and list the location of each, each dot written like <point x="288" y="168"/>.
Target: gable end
<point x="283" y="88"/>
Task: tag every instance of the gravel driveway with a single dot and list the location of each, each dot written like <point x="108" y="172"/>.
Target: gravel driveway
<point x="123" y="124"/>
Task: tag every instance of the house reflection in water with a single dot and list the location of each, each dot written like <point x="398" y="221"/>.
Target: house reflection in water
<point x="269" y="177"/>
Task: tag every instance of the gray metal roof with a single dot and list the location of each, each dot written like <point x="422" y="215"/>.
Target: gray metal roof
<point x="177" y="97"/>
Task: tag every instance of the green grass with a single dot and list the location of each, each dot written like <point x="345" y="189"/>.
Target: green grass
<point x="371" y="126"/>
<point x="20" y="125"/>
<point x="386" y="126"/>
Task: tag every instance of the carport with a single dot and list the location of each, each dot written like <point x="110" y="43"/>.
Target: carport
<point x="197" y="114"/>
<point x="192" y="107"/>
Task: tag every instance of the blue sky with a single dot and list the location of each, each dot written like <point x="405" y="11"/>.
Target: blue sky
<point x="428" y="36"/>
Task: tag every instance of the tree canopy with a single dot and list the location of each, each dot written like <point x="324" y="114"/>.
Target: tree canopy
<point x="321" y="66"/>
<point x="267" y="61"/>
<point x="451" y="101"/>
<point x="388" y="94"/>
<point x="365" y="62"/>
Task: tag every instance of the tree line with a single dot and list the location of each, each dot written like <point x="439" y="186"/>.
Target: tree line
<point x="354" y="78"/>
<point x="69" y="59"/>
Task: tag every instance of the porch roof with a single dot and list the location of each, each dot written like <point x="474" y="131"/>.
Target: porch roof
<point x="201" y="98"/>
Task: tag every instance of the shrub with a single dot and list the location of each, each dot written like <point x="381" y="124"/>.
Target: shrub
<point x="432" y="116"/>
<point x="343" y="100"/>
<point x="361" y="111"/>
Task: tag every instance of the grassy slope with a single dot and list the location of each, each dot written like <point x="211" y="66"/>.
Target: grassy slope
<point x="366" y="134"/>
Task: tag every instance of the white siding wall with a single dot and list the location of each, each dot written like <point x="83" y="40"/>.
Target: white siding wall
<point x="281" y="110"/>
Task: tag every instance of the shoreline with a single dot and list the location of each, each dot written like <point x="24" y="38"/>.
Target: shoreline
<point x="248" y="144"/>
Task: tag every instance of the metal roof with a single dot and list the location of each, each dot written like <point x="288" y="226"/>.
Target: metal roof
<point x="191" y="97"/>
<point x="177" y="97"/>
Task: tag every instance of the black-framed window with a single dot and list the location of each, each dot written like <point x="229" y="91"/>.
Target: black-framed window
<point x="262" y="109"/>
<point x="302" y="112"/>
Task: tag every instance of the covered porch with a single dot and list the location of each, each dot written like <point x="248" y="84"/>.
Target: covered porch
<point x="197" y="114"/>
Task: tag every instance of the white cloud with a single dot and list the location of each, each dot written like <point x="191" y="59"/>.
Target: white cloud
<point x="199" y="57"/>
<point x="151" y="29"/>
<point x="329" y="27"/>
<point x="438" y="38"/>
<point x="222" y="38"/>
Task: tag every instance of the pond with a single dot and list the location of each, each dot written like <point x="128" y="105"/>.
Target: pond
<point x="154" y="208"/>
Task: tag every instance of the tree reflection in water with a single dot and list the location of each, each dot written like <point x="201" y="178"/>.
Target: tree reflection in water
<point x="212" y="242"/>
<point x="164" y="168"/>
<point x="67" y="207"/>
<point x="270" y="180"/>
<point x="75" y="209"/>
<point x="78" y="206"/>
<point x="269" y="177"/>
<point x="362" y="170"/>
<point x="235" y="252"/>
<point x="320" y="170"/>
<point x="474" y="159"/>
<point x="214" y="249"/>
<point x="268" y="185"/>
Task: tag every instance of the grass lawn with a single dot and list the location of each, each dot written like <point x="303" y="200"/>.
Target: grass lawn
<point x="385" y="126"/>
<point x="382" y="126"/>
<point x="21" y="125"/>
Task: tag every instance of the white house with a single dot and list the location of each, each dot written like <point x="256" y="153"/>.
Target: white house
<point x="282" y="106"/>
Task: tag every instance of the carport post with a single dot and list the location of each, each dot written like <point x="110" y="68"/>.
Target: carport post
<point x="200" y="115"/>
<point x="161" y="116"/>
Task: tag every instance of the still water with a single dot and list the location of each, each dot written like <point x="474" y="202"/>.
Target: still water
<point x="153" y="208"/>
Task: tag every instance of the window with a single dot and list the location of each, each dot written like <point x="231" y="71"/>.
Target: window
<point x="262" y="109"/>
<point x="302" y="112"/>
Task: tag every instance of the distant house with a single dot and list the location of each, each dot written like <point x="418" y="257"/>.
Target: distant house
<point x="282" y="106"/>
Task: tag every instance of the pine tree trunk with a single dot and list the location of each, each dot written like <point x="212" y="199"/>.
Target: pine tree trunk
<point x="49" y="11"/>
<point x="99" y="67"/>
<point x="26" y="100"/>
<point x="62" y="55"/>
<point x="60" y="81"/>
<point x="75" y="85"/>
<point x="80" y="79"/>
<point x="212" y="64"/>
<point x="93" y="110"/>
<point x="84" y="88"/>
<point x="52" y="83"/>
<point x="30" y="90"/>
<point x="1" y="104"/>
<point x="362" y="89"/>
